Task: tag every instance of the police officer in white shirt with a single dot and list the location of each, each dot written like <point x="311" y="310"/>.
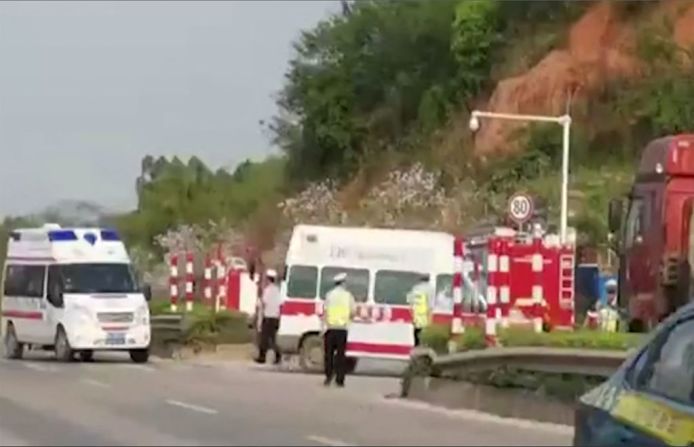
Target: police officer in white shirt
<point x="271" y="302"/>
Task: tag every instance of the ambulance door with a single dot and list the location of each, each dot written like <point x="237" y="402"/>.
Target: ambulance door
<point x="53" y="303"/>
<point x="24" y="299"/>
<point x="389" y="334"/>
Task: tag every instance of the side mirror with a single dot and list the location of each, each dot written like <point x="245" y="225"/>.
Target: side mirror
<point x="614" y="216"/>
<point x="147" y="292"/>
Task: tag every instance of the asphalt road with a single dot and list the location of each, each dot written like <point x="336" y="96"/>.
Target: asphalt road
<point x="114" y="402"/>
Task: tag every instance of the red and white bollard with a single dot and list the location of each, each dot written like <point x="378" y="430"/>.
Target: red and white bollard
<point x="492" y="292"/>
<point x="537" y="269"/>
<point x="208" y="280"/>
<point x="221" y="301"/>
<point x="173" y="282"/>
<point x="190" y="278"/>
<point x="457" y="286"/>
<point x="504" y="277"/>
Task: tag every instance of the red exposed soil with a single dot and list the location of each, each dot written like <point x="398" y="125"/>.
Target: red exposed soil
<point x="600" y="49"/>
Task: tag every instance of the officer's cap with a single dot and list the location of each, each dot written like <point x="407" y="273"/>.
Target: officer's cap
<point x="340" y="277"/>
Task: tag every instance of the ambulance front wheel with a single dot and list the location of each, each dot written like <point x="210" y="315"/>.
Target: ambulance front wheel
<point x="87" y="355"/>
<point x="139" y="355"/>
<point x="311" y="354"/>
<point x="63" y="351"/>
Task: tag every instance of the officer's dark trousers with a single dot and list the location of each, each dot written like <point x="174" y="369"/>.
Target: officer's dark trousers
<point x="335" y="344"/>
<point x="417" y="333"/>
<point x="268" y="339"/>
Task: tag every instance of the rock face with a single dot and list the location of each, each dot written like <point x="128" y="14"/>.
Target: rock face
<point x="600" y="49"/>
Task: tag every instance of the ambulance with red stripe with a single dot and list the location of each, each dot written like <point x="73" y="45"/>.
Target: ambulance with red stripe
<point x="382" y="265"/>
<point x="73" y="291"/>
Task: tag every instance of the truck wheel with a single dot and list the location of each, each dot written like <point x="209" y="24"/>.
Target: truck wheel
<point x="352" y="363"/>
<point x="13" y="348"/>
<point x="311" y="354"/>
<point x="139" y="355"/>
<point x="87" y="355"/>
<point x="63" y="351"/>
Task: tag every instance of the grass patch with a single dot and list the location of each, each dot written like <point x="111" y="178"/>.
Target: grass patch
<point x="436" y="337"/>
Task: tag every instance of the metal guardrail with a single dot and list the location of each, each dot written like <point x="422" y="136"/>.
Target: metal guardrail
<point x="587" y="362"/>
<point x="168" y="332"/>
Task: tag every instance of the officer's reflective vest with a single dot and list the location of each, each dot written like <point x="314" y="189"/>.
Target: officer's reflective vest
<point x="338" y="309"/>
<point x="608" y="319"/>
<point x="420" y="309"/>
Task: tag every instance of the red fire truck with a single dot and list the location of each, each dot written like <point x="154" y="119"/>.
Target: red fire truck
<point x="655" y="243"/>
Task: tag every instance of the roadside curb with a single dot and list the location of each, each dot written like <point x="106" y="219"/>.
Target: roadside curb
<point x="501" y="402"/>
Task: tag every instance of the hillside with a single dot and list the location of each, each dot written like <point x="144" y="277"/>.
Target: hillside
<point x="373" y="122"/>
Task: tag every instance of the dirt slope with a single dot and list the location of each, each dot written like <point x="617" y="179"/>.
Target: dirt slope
<point x="600" y="49"/>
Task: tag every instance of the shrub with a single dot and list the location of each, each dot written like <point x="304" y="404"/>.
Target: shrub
<point x="436" y="337"/>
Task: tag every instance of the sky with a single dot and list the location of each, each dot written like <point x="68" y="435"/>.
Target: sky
<point x="89" y="88"/>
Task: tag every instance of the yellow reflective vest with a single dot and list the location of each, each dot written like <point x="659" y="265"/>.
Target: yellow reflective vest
<point x="419" y="300"/>
<point x="608" y="319"/>
<point x="338" y="308"/>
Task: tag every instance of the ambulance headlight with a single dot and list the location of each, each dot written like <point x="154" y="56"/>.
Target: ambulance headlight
<point x="82" y="313"/>
<point x="142" y="315"/>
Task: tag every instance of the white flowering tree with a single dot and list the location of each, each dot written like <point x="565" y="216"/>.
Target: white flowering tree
<point x="407" y="198"/>
<point x="412" y="198"/>
<point x="317" y="204"/>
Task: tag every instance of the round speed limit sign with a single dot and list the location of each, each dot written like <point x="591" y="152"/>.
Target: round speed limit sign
<point x="520" y="208"/>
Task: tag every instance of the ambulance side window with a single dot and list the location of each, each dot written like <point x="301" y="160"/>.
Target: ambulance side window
<point x="392" y="286"/>
<point x="25" y="280"/>
<point x="12" y="280"/>
<point x="303" y="282"/>
<point x="357" y="282"/>
<point x="444" y="285"/>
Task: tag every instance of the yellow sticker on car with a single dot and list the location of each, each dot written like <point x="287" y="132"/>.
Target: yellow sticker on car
<point x="671" y="426"/>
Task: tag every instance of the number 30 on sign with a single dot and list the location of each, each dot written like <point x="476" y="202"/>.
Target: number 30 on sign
<point x="520" y="208"/>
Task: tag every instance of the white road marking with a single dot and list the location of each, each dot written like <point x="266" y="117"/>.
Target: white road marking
<point x="191" y="407"/>
<point x="328" y="441"/>
<point x="95" y="383"/>
<point x="483" y="417"/>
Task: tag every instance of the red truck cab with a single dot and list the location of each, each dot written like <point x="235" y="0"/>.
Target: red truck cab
<point x="655" y="259"/>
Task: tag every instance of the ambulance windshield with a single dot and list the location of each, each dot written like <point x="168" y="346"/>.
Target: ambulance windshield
<point x="94" y="278"/>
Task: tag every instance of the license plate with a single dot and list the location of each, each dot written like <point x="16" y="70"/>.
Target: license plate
<point x="115" y="339"/>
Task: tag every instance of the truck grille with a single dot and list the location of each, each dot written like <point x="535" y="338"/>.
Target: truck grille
<point x="115" y="317"/>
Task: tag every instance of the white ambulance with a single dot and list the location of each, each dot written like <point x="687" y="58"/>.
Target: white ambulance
<point x="72" y="290"/>
<point x="382" y="265"/>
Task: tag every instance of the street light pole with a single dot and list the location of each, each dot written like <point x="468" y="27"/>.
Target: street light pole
<point x="564" y="218"/>
<point x="565" y="122"/>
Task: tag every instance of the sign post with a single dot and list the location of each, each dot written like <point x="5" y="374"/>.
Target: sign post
<point x="520" y="209"/>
